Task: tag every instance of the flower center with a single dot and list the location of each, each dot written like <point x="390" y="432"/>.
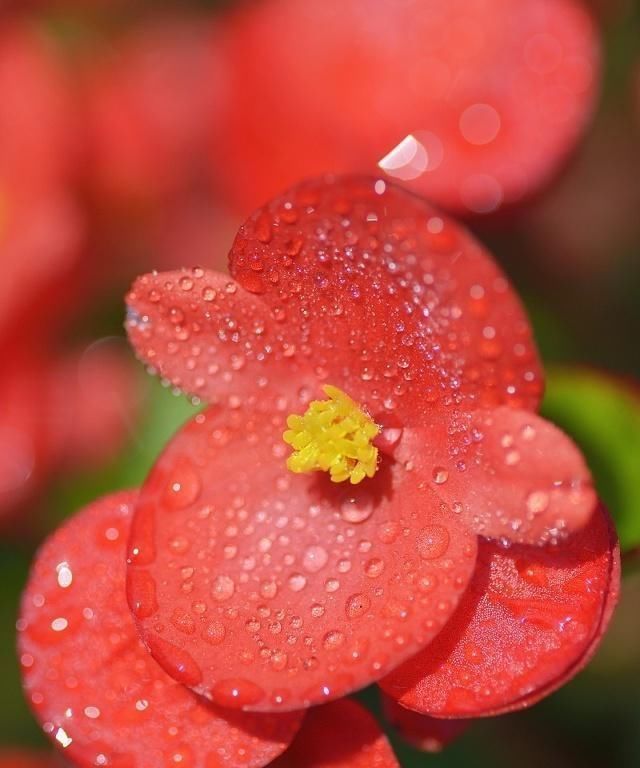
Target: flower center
<point x="335" y="436"/>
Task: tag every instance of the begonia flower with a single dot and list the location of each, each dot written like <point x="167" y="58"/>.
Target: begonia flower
<point x="369" y="496"/>
<point x="476" y="105"/>
<point x="312" y="589"/>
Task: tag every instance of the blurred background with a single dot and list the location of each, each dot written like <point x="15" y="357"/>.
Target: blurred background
<point x="138" y="136"/>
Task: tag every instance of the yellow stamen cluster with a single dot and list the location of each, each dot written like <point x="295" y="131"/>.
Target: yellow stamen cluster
<point x="334" y="436"/>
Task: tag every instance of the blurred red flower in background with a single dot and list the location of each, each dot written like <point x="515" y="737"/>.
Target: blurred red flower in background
<point x="483" y="101"/>
<point x="479" y="539"/>
<point x="52" y="414"/>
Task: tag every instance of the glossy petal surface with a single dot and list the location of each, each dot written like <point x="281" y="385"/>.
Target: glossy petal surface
<point x="491" y="94"/>
<point x="510" y="474"/>
<point x="530" y="620"/>
<point x="211" y="338"/>
<point x="387" y="299"/>
<point x="92" y="684"/>
<point x="268" y="590"/>
<point x="342" y="734"/>
<point x="429" y="734"/>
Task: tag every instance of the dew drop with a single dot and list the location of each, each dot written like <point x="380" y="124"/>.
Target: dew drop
<point x="332" y="640"/>
<point x="314" y="559"/>
<point x="374" y="567"/>
<point x="356" y="509"/>
<point x="432" y="542"/>
<point x="440" y="475"/>
<point x="357" y="605"/>
<point x="223" y="588"/>
<point x="537" y="502"/>
<point x="297" y="582"/>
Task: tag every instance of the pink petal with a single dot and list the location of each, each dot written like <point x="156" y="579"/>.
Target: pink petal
<point x="93" y="685"/>
<point x="273" y="591"/>
<point x="211" y="338"/>
<point x="388" y="300"/>
<point x="509" y="474"/>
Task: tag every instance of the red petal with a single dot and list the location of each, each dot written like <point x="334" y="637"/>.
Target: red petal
<point x="146" y="124"/>
<point x="209" y="337"/>
<point x="275" y="590"/>
<point x="510" y="474"/>
<point x="497" y="93"/>
<point x="429" y="734"/>
<point x="342" y="734"/>
<point x="530" y="620"/>
<point x="388" y="300"/>
<point x="37" y="138"/>
<point x="90" y="681"/>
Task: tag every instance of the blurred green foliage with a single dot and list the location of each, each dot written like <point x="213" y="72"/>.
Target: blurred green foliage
<point x="603" y="415"/>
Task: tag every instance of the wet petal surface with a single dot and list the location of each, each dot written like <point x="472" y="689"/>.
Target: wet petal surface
<point x="92" y="684"/>
<point x="510" y="474"/>
<point x="209" y="337"/>
<point x="342" y="734"/>
<point x="530" y="620"/>
<point x="388" y="300"/>
<point x="273" y="590"/>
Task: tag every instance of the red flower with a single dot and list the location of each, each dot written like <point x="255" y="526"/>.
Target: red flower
<point x="50" y="416"/>
<point x="482" y="100"/>
<point x="473" y="573"/>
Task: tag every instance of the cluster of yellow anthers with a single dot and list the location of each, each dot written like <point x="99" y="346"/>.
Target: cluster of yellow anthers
<point x="334" y="436"/>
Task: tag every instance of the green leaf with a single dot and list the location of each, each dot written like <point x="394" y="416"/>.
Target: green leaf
<point x="602" y="414"/>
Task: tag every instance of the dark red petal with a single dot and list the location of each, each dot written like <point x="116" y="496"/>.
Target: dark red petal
<point x="211" y="338"/>
<point x="496" y="92"/>
<point x="92" y="684"/>
<point x="530" y="620"/>
<point x="510" y="474"/>
<point x="388" y="300"/>
<point x="342" y="734"/>
<point x="268" y="590"/>
<point x="430" y="734"/>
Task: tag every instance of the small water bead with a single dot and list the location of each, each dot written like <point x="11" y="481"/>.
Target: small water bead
<point x="537" y="502"/>
<point x="317" y="610"/>
<point x="440" y="475"/>
<point x="65" y="575"/>
<point x="332" y="585"/>
<point x="374" y="567"/>
<point x="314" y="559"/>
<point x="223" y="588"/>
<point x="184" y="486"/>
<point x="356" y="509"/>
<point x="357" y="605"/>
<point x="432" y="542"/>
<point x="332" y="640"/>
<point x="297" y="582"/>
